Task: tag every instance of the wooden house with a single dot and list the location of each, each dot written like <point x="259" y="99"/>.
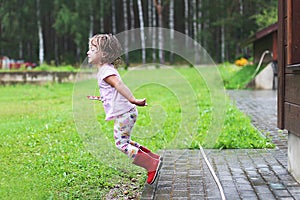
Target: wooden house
<point x="264" y="46"/>
<point x="265" y="39"/>
<point x="289" y="79"/>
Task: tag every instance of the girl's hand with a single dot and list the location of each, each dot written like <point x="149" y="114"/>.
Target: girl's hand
<point x="140" y="102"/>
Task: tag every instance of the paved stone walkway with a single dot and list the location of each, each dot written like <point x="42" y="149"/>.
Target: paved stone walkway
<point x="244" y="174"/>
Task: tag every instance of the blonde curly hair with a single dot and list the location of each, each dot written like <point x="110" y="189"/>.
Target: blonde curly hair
<point x="110" y="46"/>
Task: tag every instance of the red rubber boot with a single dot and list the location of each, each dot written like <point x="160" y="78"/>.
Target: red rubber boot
<point x="152" y="165"/>
<point x="153" y="155"/>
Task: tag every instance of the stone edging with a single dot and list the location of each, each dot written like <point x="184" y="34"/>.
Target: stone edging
<point x="38" y="77"/>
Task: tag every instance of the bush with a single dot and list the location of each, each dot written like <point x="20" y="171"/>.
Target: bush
<point x="45" y="67"/>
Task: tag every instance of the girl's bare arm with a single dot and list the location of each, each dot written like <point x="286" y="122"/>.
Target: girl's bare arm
<point x="115" y="82"/>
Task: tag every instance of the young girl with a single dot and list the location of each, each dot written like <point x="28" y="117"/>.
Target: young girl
<point x="119" y="103"/>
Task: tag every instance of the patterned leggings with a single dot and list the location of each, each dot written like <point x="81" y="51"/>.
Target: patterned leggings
<point x="122" y="129"/>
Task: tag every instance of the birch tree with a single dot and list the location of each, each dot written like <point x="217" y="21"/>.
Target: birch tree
<point x="126" y="33"/>
<point x="142" y="33"/>
<point x="206" y="22"/>
<point x="91" y="31"/>
<point x="200" y="21"/>
<point x="154" y="34"/>
<point x="132" y="24"/>
<point x="159" y="9"/>
<point x="186" y="20"/>
<point x="40" y="32"/>
<point x="241" y="8"/>
<point x="101" y="20"/>
<point x="194" y="3"/>
<point x="113" y="16"/>
<point x="223" y="42"/>
<point x="195" y="32"/>
<point x="150" y="13"/>
<point x="171" y="25"/>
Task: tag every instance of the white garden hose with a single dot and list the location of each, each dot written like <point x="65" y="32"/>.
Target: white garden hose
<point x="261" y="60"/>
<point x="202" y="151"/>
<point x="213" y="174"/>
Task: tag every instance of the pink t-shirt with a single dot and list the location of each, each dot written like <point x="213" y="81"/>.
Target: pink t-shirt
<point x="114" y="103"/>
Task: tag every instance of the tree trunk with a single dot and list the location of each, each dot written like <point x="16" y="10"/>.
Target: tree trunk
<point x="91" y="31"/>
<point x="126" y="33"/>
<point x="171" y="24"/>
<point x="206" y="25"/>
<point x="56" y="54"/>
<point x="200" y="21"/>
<point x="160" y="34"/>
<point x="194" y="10"/>
<point x="113" y="15"/>
<point x="186" y="20"/>
<point x="101" y="16"/>
<point x="149" y="13"/>
<point x="20" y="49"/>
<point x="142" y="33"/>
<point x="40" y="33"/>
<point x="154" y="35"/>
<point x="241" y="8"/>
<point x="223" y="42"/>
<point x="132" y="24"/>
<point x="195" y="33"/>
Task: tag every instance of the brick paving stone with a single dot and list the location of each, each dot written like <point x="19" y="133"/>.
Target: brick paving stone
<point x="198" y="190"/>
<point x="244" y="173"/>
<point x="199" y="182"/>
<point x="267" y="196"/>
<point x="262" y="189"/>
<point x="282" y="193"/>
<point x="196" y="197"/>
<point x="162" y="197"/>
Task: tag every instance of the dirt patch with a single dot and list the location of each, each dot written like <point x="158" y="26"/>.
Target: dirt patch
<point x="131" y="189"/>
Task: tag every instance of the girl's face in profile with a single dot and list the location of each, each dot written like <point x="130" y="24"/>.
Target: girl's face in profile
<point x="94" y="55"/>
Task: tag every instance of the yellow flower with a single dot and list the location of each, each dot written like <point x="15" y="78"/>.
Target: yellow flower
<point x="241" y="62"/>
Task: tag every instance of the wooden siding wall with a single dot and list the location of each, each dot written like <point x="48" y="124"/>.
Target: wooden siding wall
<point x="261" y="45"/>
<point x="289" y="66"/>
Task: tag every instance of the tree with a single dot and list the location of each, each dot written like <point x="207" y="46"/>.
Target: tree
<point x="159" y="8"/>
<point x="171" y="25"/>
<point x="40" y="32"/>
<point x="141" y="18"/>
<point x="17" y="35"/>
<point x="195" y="31"/>
<point x="126" y="34"/>
<point x="153" y="34"/>
<point x="91" y="31"/>
<point x="186" y="20"/>
<point x="62" y="27"/>
<point x="101" y="17"/>
<point x="267" y="16"/>
<point x="113" y="15"/>
<point x="74" y="22"/>
<point x="132" y="17"/>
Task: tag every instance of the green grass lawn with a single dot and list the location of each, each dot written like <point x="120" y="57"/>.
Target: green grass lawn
<point x="43" y="156"/>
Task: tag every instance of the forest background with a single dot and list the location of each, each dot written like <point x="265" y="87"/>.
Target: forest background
<point x="56" y="32"/>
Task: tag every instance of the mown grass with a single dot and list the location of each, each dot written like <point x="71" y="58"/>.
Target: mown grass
<point x="43" y="157"/>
